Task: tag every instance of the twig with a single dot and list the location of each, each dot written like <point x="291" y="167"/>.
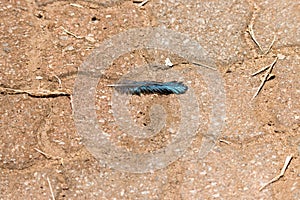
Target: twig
<point x="276" y="178"/>
<point x="37" y="93"/>
<point x="265" y="78"/>
<point x="70" y="33"/>
<point x="51" y="190"/>
<point x="203" y="65"/>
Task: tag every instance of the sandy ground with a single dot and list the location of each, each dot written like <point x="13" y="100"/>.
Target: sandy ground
<point x="50" y="149"/>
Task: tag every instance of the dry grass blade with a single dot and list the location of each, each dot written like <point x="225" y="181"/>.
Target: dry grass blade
<point x="70" y="33"/>
<point x="261" y="70"/>
<point x="76" y="5"/>
<point x="265" y="68"/>
<point x="37" y="93"/>
<point x="140" y="2"/>
<point x="267" y="74"/>
<point x="43" y="153"/>
<point x="272" y="43"/>
<point x="143" y="3"/>
<point x="51" y="190"/>
<point x="206" y="66"/>
<point x="48" y="156"/>
<point x="59" y="81"/>
<point x="276" y="178"/>
<point x="224" y="141"/>
<point x="252" y="35"/>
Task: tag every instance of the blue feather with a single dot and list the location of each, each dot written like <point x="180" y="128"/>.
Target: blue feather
<point x="150" y="87"/>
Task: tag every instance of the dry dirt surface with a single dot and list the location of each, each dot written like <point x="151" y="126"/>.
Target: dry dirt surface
<point x="66" y="134"/>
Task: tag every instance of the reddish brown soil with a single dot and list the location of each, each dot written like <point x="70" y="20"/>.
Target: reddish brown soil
<point x="39" y="143"/>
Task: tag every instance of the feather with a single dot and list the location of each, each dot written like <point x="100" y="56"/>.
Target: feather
<point x="150" y="87"/>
